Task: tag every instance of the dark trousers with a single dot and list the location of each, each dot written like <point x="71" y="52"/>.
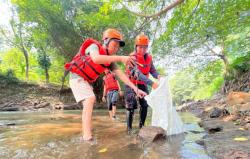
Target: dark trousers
<point x="131" y="105"/>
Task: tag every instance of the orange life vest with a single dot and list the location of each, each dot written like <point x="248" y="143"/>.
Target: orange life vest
<point x="110" y="82"/>
<point x="143" y="65"/>
<point x="83" y="65"/>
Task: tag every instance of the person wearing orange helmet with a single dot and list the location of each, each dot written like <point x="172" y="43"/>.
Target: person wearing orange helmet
<point x="139" y="75"/>
<point x="92" y="60"/>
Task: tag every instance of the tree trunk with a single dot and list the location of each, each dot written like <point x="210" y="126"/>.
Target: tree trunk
<point x="25" y="53"/>
<point x="225" y="61"/>
<point x="226" y="73"/>
<point x="47" y="75"/>
<point x="222" y="56"/>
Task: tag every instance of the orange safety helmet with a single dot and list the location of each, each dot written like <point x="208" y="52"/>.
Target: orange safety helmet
<point x="141" y="39"/>
<point x="113" y="34"/>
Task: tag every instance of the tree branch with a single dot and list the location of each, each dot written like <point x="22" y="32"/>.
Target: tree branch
<point x="164" y="10"/>
<point x="215" y="53"/>
<point x="8" y="40"/>
<point x="198" y="3"/>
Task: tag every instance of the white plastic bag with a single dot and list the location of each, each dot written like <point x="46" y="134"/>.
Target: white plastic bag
<point x="164" y="114"/>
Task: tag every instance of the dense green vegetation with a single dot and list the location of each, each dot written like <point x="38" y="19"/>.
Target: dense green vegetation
<point x="43" y="35"/>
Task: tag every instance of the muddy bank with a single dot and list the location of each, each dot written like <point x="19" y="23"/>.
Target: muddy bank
<point x="21" y="96"/>
<point x="226" y="120"/>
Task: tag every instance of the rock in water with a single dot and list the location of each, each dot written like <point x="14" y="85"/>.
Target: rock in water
<point x="200" y="142"/>
<point x="211" y="127"/>
<point x="152" y="133"/>
<point x="42" y="105"/>
<point x="215" y="113"/>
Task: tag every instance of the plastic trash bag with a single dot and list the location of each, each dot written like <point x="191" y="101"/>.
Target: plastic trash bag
<point x="164" y="114"/>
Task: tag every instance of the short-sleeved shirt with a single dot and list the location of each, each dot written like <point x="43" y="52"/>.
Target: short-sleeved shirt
<point x="94" y="48"/>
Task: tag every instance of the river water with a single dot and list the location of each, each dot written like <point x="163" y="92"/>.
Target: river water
<point x="52" y="135"/>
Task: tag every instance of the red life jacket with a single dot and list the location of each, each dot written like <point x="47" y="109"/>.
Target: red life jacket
<point x="83" y="65"/>
<point x="144" y="66"/>
<point x="110" y="82"/>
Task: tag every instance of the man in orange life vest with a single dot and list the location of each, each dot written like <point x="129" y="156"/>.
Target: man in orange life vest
<point x="111" y="92"/>
<point x="139" y="76"/>
<point x="91" y="61"/>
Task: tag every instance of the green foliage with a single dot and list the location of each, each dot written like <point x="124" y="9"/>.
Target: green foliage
<point x="54" y="29"/>
<point x="10" y="73"/>
<point x="56" y="69"/>
<point x="50" y="17"/>
<point x="8" y="78"/>
<point x="161" y="71"/>
<point x="194" y="25"/>
<point x="189" y="28"/>
<point x="100" y="16"/>
<point x="239" y="51"/>
<point x="241" y="64"/>
<point x="207" y="89"/>
<point x="194" y="84"/>
<point x="13" y="60"/>
<point x="44" y="61"/>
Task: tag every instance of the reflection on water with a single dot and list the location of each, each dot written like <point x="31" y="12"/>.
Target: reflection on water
<point x="57" y="135"/>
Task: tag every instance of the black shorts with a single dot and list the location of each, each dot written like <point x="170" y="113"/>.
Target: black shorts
<point x="130" y="97"/>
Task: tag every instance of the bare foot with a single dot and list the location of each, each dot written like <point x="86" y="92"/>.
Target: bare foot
<point x="90" y="140"/>
<point x="87" y="138"/>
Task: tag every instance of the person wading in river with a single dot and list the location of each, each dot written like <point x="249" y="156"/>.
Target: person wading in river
<point x="92" y="60"/>
<point x="139" y="76"/>
<point x="111" y="92"/>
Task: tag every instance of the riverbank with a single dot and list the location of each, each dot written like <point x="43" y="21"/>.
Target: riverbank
<point x="227" y="124"/>
<point x="17" y="95"/>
